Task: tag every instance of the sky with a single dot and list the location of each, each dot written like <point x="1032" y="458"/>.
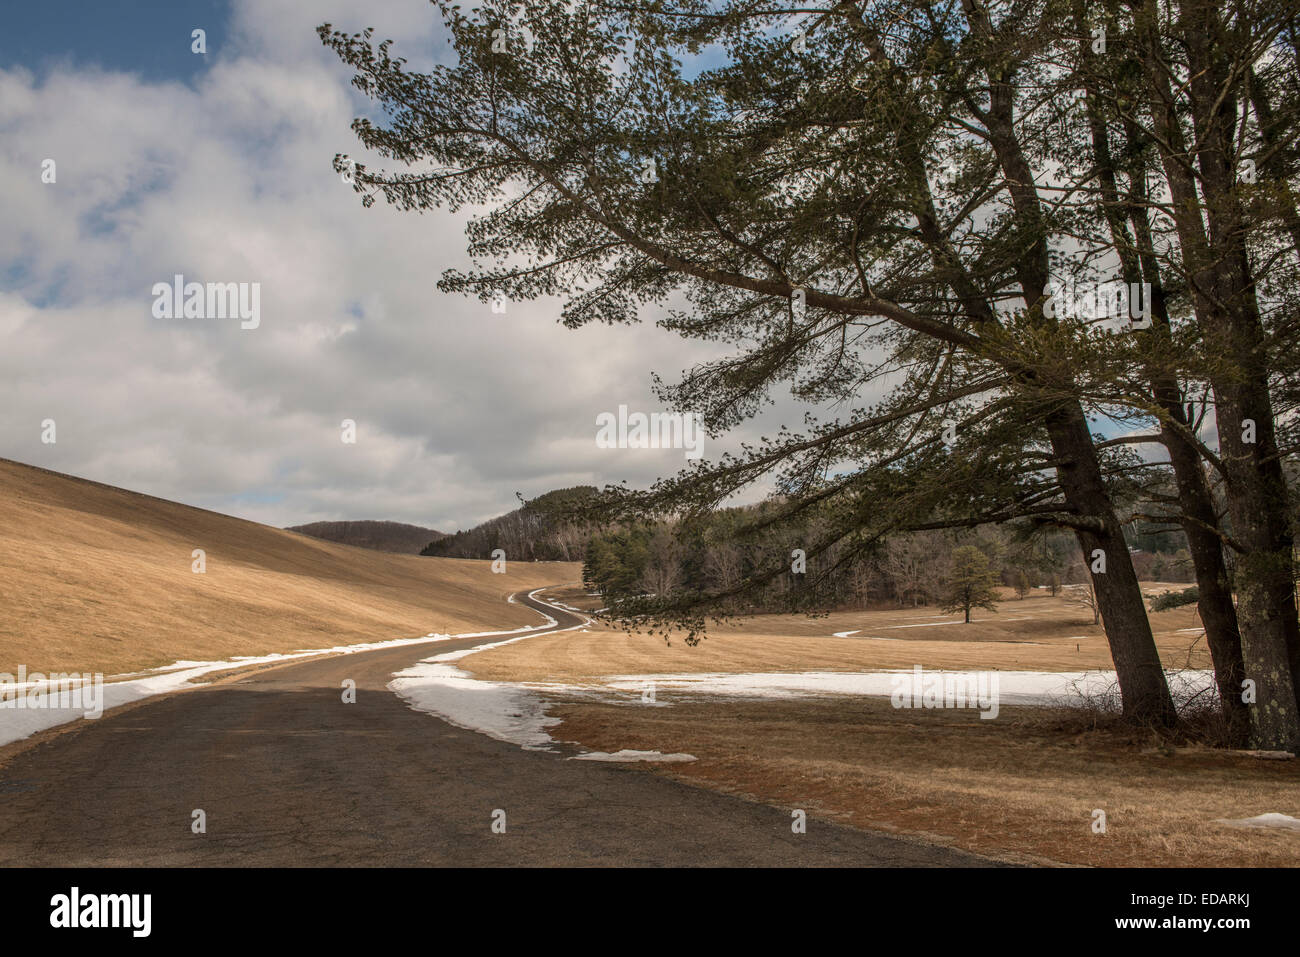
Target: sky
<point x="217" y="166"/>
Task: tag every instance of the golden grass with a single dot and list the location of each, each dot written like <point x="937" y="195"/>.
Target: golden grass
<point x="1038" y="633"/>
<point x="1023" y="786"/>
<point x="96" y="578"/>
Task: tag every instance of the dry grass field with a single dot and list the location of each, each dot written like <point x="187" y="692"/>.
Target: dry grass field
<point x="1037" y="633"/>
<point x="96" y="578"/>
<point x="1023" y="786"/>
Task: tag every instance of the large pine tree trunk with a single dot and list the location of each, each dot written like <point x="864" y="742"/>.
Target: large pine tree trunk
<point x="1214" y="601"/>
<point x="1227" y="312"/>
<point x="1197" y="515"/>
<point x="1141" y="676"/>
<point x="1119" y="598"/>
<point x="1257" y="494"/>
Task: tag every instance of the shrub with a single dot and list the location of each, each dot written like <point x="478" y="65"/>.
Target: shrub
<point x="1175" y="599"/>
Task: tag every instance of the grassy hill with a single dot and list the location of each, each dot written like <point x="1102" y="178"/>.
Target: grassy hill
<point x="396" y="537"/>
<point x="97" y="578"/>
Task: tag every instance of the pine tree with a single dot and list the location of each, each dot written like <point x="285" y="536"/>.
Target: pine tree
<point x="971" y="583"/>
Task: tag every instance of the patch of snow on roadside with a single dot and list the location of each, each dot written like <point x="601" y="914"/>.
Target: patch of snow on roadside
<point x="19" y="723"/>
<point x="629" y="756"/>
<point x="508" y="712"/>
<point x="1284" y="821"/>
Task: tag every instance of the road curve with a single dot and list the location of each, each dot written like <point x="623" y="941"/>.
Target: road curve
<point x="288" y="775"/>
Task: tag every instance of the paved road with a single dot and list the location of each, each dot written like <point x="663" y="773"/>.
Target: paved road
<point x="289" y="775"/>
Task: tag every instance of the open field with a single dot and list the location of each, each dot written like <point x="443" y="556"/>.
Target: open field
<point x="1022" y="786"/>
<point x="1038" y="633"/>
<point x="95" y="578"/>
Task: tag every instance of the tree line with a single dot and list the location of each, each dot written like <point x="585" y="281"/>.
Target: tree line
<point x="541" y="529"/>
<point x="908" y="569"/>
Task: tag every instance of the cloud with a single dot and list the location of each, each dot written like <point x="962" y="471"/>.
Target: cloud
<point x="229" y="179"/>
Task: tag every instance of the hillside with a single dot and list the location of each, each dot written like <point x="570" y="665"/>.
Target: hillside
<point x="396" y="537"/>
<point x="97" y="578"/>
<point x="540" y="530"/>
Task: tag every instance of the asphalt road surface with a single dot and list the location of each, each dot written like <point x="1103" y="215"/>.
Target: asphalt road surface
<point x="287" y="774"/>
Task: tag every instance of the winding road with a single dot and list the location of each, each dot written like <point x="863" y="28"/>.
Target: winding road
<point x="288" y="775"/>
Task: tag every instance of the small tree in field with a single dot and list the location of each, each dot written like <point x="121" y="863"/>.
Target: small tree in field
<point x="1022" y="583"/>
<point x="1085" y="595"/>
<point x="970" y="585"/>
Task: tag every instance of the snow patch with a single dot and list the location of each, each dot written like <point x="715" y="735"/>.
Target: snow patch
<point x="1014" y="687"/>
<point x="862" y="637"/>
<point x="19" y="723"/>
<point x="502" y="711"/>
<point x="1284" y="821"/>
<point x="629" y="756"/>
<point x="513" y="712"/>
<point x="507" y="711"/>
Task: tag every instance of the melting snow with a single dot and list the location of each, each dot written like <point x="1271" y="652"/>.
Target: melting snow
<point x="1014" y="687"/>
<point x="626" y="755"/>
<point x="1274" y="819"/>
<point x="19" y="723"/>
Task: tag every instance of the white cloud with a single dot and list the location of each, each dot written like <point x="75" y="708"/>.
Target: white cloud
<point x="231" y="180"/>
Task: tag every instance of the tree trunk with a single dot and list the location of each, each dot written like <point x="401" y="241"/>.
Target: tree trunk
<point x="1223" y="297"/>
<point x="1137" y="663"/>
<point x="1197" y="514"/>
<point x="1119" y="597"/>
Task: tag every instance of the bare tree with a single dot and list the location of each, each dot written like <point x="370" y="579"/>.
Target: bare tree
<point x="1083" y="593"/>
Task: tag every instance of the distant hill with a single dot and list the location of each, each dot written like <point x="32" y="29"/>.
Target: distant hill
<point x="538" y="531"/>
<point x="395" y="537"/>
